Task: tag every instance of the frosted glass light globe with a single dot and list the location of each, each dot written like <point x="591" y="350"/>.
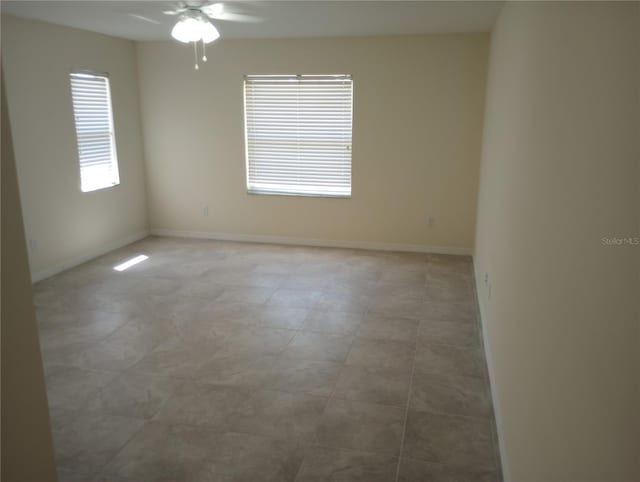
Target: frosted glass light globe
<point x="186" y="30"/>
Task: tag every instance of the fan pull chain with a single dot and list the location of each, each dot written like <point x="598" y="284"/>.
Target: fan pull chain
<point x="204" y="53"/>
<point x="195" y="54"/>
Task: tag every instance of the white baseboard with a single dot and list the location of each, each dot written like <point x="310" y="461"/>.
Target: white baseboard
<point x="489" y="358"/>
<point x="324" y="243"/>
<point x="94" y="253"/>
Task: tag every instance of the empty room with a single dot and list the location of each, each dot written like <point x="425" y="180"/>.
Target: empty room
<point x="305" y="241"/>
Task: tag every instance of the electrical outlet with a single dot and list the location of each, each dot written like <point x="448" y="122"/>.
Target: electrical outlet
<point x="33" y="245"/>
<point x="486" y="278"/>
<point x="431" y="221"/>
<point x="205" y="211"/>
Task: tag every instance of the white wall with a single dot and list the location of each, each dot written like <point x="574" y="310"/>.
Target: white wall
<point x="418" y="107"/>
<point x="560" y="167"/>
<point x="64" y="224"/>
<point x="27" y="445"/>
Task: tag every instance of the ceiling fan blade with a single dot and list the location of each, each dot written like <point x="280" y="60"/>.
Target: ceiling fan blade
<point x="146" y="19"/>
<point x="213" y="10"/>
<point x="176" y="8"/>
<point x="219" y="11"/>
<point x="238" y="17"/>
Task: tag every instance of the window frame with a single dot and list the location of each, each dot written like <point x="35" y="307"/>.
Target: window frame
<point x="349" y="147"/>
<point x="115" y="180"/>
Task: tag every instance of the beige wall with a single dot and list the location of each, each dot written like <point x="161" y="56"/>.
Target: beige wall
<point x="63" y="224"/>
<point x="27" y="446"/>
<point x="559" y="172"/>
<point x="418" y="106"/>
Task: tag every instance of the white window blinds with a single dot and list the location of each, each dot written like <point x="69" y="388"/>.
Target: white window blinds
<point x="298" y="134"/>
<point x="94" y="131"/>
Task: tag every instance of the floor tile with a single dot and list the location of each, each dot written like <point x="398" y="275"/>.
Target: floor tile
<point x="66" y="299"/>
<point x="330" y="321"/>
<point x="251" y="458"/>
<point x="70" y="387"/>
<point x="382" y="354"/>
<point x="134" y="395"/>
<point x="391" y="329"/>
<point x="450" y="293"/>
<point x="351" y="300"/>
<point x="175" y="358"/>
<point x="413" y="275"/>
<point x="275" y="268"/>
<point x="123" y="304"/>
<point x="243" y="370"/>
<point x="160" y="452"/>
<point x="124" y="347"/>
<point x="248" y="294"/>
<point x="449" y="333"/>
<point x="60" y="417"/>
<point x="256" y="279"/>
<point x="183" y="270"/>
<point x="294" y="298"/>
<point x="319" y="346"/>
<point x="449" y="264"/>
<point x="456" y="282"/>
<point x="100" y="321"/>
<point x="458" y="395"/>
<point x="460" y="312"/>
<point x="188" y="454"/>
<point x="241" y="359"/>
<point x="280" y="415"/>
<point x="151" y="285"/>
<point x="204" y="405"/>
<point x="255" y="341"/>
<point x="286" y="318"/>
<point x="361" y="426"/>
<point x="300" y="375"/>
<point x="92" y="439"/>
<point x="449" y="360"/>
<point x="85" y="326"/>
<point x="50" y="297"/>
<point x="175" y="308"/>
<point x="233" y="313"/>
<point x="463" y="442"/>
<point x="410" y="290"/>
<point x="75" y="476"/>
<point x="201" y="289"/>
<point x="65" y="354"/>
<point x="333" y="465"/>
<point x="419" y="471"/>
<point x="409" y="307"/>
<point x="316" y="282"/>
<point x="374" y="385"/>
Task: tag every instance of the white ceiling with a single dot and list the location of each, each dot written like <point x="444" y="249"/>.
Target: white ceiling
<point x="278" y="18"/>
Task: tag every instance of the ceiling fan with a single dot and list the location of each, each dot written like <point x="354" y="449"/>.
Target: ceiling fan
<point x="194" y="23"/>
<point x="213" y="10"/>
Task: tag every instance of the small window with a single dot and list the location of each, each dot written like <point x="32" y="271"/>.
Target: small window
<point x="298" y="134"/>
<point x="94" y="131"/>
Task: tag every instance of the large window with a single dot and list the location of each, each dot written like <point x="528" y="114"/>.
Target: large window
<point x="94" y="131"/>
<point x="298" y="134"/>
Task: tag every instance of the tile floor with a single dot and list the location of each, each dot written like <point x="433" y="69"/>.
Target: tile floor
<point x="218" y="361"/>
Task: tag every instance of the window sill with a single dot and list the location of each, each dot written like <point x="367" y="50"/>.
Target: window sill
<point x="291" y="194"/>
<point x="99" y="189"/>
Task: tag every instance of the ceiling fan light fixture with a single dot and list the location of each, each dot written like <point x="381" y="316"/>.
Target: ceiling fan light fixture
<point x="186" y="29"/>
<point x="208" y="32"/>
<point x="194" y="28"/>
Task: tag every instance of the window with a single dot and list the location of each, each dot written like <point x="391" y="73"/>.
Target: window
<point x="298" y="134"/>
<point x="94" y="131"/>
